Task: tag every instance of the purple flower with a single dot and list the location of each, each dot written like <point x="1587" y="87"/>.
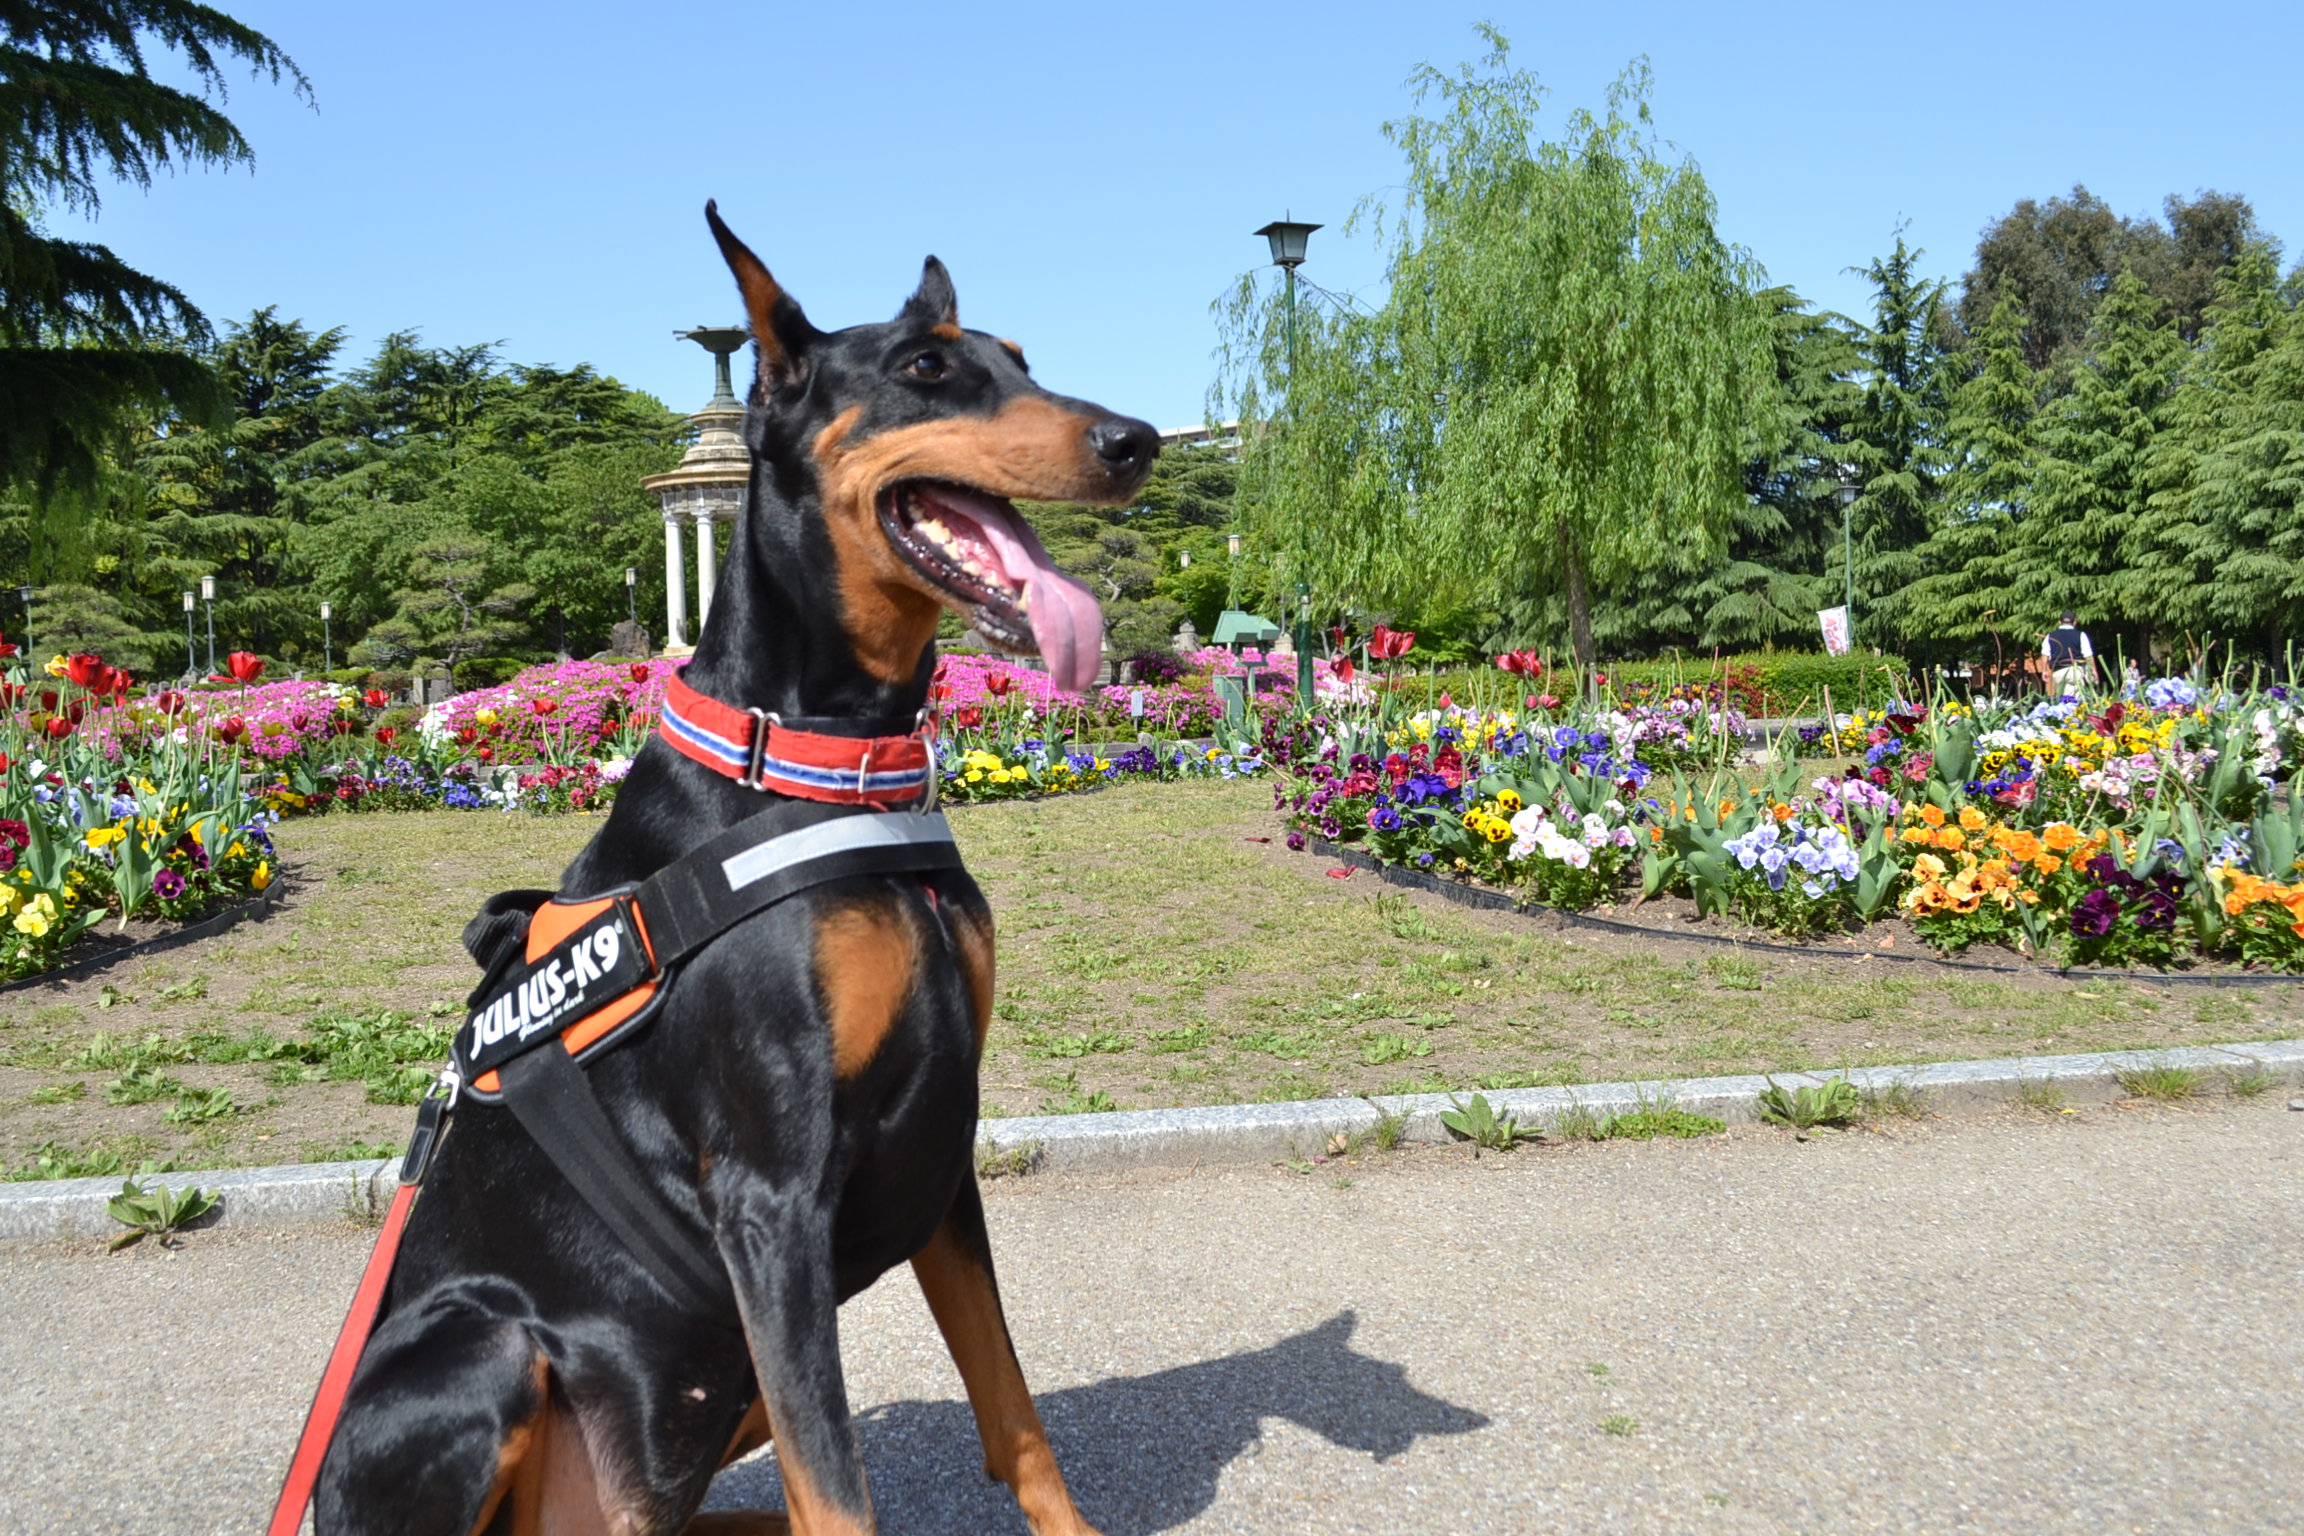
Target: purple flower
<point x="1384" y="819"/>
<point x="2094" y="916"/>
<point x="1296" y="842"/>
<point x="167" y="885"/>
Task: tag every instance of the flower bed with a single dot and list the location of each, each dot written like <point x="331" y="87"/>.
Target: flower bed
<point x="2149" y="832"/>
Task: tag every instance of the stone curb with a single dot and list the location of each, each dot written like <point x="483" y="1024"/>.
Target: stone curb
<point x="1228" y="1133"/>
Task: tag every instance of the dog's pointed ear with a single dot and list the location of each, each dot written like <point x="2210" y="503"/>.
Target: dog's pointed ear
<point x="779" y="330"/>
<point x="935" y="302"/>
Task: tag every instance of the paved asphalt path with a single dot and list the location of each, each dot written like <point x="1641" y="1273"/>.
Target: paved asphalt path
<point x="2089" y="1323"/>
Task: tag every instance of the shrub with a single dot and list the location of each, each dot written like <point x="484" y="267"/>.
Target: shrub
<point x="486" y="672"/>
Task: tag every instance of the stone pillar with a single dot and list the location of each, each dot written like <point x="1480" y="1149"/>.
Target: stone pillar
<point x="675" y="585"/>
<point x="707" y="568"/>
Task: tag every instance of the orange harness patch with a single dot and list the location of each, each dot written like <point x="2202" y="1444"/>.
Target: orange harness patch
<point x="552" y="925"/>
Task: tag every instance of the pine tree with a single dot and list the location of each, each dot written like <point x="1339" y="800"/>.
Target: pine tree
<point x="2098" y="471"/>
<point x="1969" y="586"/>
<point x="2247" y="491"/>
<point x="1894" y="447"/>
<point x="87" y="341"/>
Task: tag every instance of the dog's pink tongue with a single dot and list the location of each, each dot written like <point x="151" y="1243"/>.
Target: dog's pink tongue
<point x="1067" y="625"/>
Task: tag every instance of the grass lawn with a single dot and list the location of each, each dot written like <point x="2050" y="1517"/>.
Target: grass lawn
<point x="1154" y="951"/>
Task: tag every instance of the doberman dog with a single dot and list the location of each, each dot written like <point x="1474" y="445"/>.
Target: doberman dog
<point x="804" y="1101"/>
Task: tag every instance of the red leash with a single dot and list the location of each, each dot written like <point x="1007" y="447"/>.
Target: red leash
<point x="328" y="1402"/>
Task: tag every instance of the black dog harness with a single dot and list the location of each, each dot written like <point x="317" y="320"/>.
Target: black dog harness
<point x="568" y="979"/>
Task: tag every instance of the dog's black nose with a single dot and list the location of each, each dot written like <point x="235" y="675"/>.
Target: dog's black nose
<point x="1124" y="444"/>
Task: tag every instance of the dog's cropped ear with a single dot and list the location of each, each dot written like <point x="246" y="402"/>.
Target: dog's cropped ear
<point x="935" y="302"/>
<point x="779" y="329"/>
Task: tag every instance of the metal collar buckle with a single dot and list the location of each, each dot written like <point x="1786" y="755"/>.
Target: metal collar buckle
<point x="762" y="721"/>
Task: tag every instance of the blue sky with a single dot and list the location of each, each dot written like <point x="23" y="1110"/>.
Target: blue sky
<point x="498" y="170"/>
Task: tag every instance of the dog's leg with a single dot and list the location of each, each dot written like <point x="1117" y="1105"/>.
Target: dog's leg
<point x="448" y="1418"/>
<point x="955" y="1271"/>
<point x="778" y="1247"/>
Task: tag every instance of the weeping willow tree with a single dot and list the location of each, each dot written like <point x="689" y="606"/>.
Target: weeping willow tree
<point x="1560" y="389"/>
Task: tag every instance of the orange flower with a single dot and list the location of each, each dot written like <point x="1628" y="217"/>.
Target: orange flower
<point x="1727" y="807"/>
<point x="1931" y="815"/>
<point x="1971" y="818"/>
<point x="2061" y="836"/>
<point x="1920" y="835"/>
<point x="2048" y="864"/>
<point x="1951" y="837"/>
<point x="2023" y="847"/>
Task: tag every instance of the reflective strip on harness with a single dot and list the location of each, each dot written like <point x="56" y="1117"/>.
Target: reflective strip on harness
<point x="780" y="853"/>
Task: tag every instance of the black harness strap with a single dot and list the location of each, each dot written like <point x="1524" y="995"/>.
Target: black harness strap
<point x="764" y="859"/>
<point x="554" y="1102"/>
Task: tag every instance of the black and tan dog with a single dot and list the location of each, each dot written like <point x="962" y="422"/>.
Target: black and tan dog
<point x="805" y="1098"/>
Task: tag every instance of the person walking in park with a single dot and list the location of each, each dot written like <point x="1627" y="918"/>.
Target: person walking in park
<point x="2071" y="658"/>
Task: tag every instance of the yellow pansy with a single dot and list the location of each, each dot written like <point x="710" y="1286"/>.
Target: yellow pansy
<point x="105" y="837"/>
<point x="263" y="875"/>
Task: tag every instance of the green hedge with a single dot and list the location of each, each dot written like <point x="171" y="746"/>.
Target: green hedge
<point x="1790" y="682"/>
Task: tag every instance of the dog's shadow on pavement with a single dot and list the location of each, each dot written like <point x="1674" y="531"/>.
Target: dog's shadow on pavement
<point x="1141" y="1453"/>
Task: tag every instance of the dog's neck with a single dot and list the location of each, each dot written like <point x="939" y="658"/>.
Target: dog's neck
<point x="775" y="640"/>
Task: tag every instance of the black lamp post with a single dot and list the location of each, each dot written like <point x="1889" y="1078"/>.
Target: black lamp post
<point x="1848" y="493"/>
<point x="208" y="597"/>
<point x="24" y="596"/>
<point x="191" y="661"/>
<point x="327" y="638"/>
<point x="1288" y="241"/>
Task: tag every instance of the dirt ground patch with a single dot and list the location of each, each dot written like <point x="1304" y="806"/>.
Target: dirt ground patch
<point x="1158" y="948"/>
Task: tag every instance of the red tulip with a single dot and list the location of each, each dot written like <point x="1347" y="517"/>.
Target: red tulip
<point x="467" y="735"/>
<point x="998" y="684"/>
<point x="297" y="721"/>
<point x="1447" y="702"/>
<point x="12" y="694"/>
<point x="639" y="671"/>
<point x="3" y="762"/>
<point x="48" y="698"/>
<point x="384" y="735"/>
<point x="968" y="716"/>
<point x="485" y="754"/>
<point x="75" y="709"/>
<point x="169" y="700"/>
<point x="1339" y="634"/>
<point x="84" y="669"/>
<point x="543" y="706"/>
<point x="339" y="726"/>
<point x="1343" y="669"/>
<point x="57" y="727"/>
<point x="1521" y="663"/>
<point x="121" y="683"/>
<point x="247" y="666"/>
<point x="1391" y="644"/>
<point x="230" y="729"/>
<point x="376" y="698"/>
<point x="7" y="649"/>
<point x="939" y="691"/>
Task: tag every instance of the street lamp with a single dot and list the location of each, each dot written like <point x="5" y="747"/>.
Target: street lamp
<point x="1232" y="545"/>
<point x="1288" y="242"/>
<point x="208" y="597"/>
<point x="327" y="638"/>
<point x="631" y="597"/>
<point x="1848" y="493"/>
<point x="191" y="661"/>
<point x="24" y="596"/>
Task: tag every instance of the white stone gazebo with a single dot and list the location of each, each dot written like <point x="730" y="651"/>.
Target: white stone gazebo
<point x="706" y="487"/>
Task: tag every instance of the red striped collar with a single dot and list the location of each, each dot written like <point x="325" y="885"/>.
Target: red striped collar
<point x="759" y="751"/>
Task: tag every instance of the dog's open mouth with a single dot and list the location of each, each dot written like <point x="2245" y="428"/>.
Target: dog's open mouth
<point x="980" y="553"/>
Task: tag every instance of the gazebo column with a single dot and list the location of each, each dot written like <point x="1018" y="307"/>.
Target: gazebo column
<point x="707" y="566"/>
<point x="675" y="584"/>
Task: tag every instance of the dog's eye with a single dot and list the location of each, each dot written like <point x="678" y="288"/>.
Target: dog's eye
<point x="927" y="365"/>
